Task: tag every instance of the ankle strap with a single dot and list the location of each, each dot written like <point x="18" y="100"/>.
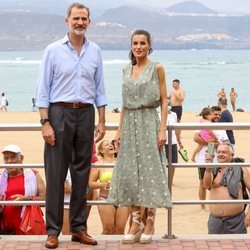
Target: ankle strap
<point x="151" y="217"/>
<point x="136" y="216"/>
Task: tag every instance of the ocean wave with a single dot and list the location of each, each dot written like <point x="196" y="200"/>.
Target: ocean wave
<point x="218" y="62"/>
<point x="20" y="61"/>
<point x="115" y="61"/>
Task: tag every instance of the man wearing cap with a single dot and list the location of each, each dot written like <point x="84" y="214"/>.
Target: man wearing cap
<point x="17" y="184"/>
<point x="71" y="82"/>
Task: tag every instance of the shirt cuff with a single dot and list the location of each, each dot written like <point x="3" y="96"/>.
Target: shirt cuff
<point x="101" y="101"/>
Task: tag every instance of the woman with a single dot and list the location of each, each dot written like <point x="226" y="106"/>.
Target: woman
<point x="233" y="96"/>
<point x="139" y="177"/>
<point x="113" y="218"/>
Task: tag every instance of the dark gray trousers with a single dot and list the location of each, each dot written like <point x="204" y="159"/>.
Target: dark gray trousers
<point x="227" y="225"/>
<point x="74" y="132"/>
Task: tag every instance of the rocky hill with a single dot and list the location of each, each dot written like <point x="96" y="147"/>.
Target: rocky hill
<point x="172" y="28"/>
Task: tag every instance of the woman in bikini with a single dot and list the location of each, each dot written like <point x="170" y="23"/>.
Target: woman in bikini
<point x="113" y="218"/>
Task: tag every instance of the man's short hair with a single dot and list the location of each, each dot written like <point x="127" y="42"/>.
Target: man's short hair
<point x="227" y="143"/>
<point x="78" y="6"/>
<point x="216" y="108"/>
<point x="176" y="80"/>
<point x="222" y="101"/>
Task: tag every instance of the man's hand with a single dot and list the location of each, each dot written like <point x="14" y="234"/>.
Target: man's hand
<point x="99" y="132"/>
<point x="48" y="134"/>
<point x="247" y="220"/>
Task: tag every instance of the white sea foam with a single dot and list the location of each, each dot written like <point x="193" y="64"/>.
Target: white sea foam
<point x="115" y="61"/>
<point x="19" y="61"/>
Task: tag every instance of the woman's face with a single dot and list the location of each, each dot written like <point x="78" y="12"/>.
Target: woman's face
<point x="140" y="46"/>
<point x="107" y="148"/>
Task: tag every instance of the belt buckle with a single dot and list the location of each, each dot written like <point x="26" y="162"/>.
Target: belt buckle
<point x="75" y="105"/>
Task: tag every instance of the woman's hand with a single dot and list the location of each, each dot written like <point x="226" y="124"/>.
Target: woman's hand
<point x="161" y="140"/>
<point x="117" y="139"/>
<point x="105" y="185"/>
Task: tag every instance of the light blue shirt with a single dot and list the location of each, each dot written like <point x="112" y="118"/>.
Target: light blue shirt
<point x="67" y="77"/>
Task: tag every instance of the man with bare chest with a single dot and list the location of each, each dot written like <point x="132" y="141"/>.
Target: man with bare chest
<point x="226" y="183"/>
<point x="176" y="98"/>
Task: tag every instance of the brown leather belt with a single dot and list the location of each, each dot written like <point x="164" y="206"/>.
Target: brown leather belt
<point x="74" y="105"/>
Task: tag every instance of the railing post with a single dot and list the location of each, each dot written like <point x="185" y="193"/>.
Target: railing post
<point x="169" y="234"/>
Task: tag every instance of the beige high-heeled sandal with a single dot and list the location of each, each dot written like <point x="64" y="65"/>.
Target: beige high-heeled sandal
<point x="147" y="238"/>
<point x="133" y="238"/>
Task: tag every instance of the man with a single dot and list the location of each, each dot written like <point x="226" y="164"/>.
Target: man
<point x="225" y="183"/>
<point x="226" y="116"/>
<point x="177" y="96"/>
<point x="200" y="157"/>
<point x="20" y="185"/>
<point x="222" y="94"/>
<point x="71" y="81"/>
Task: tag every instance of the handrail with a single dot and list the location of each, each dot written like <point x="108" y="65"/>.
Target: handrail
<point x="114" y="126"/>
<point x="37" y="126"/>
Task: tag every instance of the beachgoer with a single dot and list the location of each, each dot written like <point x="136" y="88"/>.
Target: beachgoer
<point x="70" y="82"/>
<point x="226" y="116"/>
<point x="139" y="176"/>
<point x="67" y="194"/>
<point x="233" y="96"/>
<point x="222" y="94"/>
<point x="176" y="97"/>
<point x="172" y="119"/>
<point x="206" y="135"/>
<point x="17" y="184"/>
<point x="4" y="103"/>
<point x="221" y="135"/>
<point x="226" y="183"/>
<point x="113" y="218"/>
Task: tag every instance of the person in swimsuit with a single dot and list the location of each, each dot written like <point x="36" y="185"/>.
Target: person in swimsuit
<point x="113" y="218"/>
<point x="233" y="96"/>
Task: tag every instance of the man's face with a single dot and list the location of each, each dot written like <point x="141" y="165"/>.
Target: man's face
<point x="12" y="158"/>
<point x="224" y="154"/>
<point x="78" y="21"/>
<point x="216" y="116"/>
<point x="175" y="85"/>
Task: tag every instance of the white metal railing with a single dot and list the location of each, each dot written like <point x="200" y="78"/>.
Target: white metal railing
<point x="170" y="128"/>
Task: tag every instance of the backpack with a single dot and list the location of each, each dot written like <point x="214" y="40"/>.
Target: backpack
<point x="244" y="189"/>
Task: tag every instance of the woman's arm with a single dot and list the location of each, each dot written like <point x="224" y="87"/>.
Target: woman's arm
<point x="93" y="180"/>
<point x="40" y="188"/>
<point x="164" y="106"/>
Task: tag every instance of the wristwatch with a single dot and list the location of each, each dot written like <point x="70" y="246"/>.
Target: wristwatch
<point x="44" y="120"/>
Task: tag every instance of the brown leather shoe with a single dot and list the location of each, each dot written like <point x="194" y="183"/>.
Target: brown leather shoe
<point x="83" y="238"/>
<point x="52" y="241"/>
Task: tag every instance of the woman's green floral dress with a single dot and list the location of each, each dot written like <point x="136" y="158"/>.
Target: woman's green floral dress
<point x="139" y="176"/>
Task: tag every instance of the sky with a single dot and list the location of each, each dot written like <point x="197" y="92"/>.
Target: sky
<point x="232" y="6"/>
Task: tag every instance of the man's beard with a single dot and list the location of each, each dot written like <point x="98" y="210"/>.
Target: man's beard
<point x="77" y="31"/>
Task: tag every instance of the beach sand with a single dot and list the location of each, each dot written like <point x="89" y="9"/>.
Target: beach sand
<point x="187" y="219"/>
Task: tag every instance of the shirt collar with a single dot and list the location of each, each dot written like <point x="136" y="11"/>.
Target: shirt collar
<point x="66" y="40"/>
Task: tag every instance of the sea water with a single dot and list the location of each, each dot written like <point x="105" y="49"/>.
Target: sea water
<point x="202" y="74"/>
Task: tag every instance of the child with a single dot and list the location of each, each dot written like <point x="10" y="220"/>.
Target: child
<point x="206" y="135"/>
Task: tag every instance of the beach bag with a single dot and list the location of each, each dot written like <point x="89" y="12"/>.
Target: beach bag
<point x="32" y="222"/>
<point x="7" y="103"/>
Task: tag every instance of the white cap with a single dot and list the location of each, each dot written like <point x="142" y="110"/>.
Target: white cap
<point x="12" y="148"/>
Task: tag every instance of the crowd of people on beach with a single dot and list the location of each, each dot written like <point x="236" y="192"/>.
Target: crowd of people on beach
<point x="138" y="183"/>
